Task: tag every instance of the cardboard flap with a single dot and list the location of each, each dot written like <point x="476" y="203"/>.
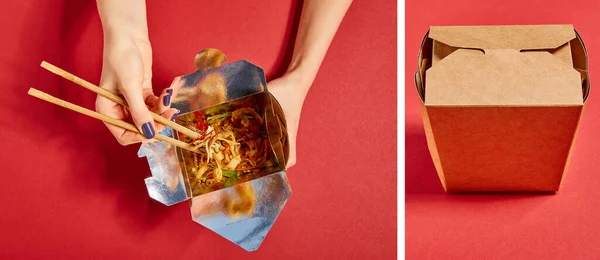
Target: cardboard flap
<point x="502" y="77"/>
<point x="425" y="57"/>
<point x="519" y="37"/>
<point x="580" y="62"/>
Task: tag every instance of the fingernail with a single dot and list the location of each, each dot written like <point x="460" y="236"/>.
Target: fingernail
<point x="148" y="130"/>
<point x="175" y="115"/>
<point x="167" y="98"/>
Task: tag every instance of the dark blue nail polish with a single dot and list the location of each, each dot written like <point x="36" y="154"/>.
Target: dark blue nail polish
<point x="148" y="130"/>
<point x="167" y="98"/>
<point x="175" y="115"/>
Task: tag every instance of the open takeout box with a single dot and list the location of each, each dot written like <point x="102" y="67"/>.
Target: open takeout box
<point x="501" y="104"/>
<point x="244" y="211"/>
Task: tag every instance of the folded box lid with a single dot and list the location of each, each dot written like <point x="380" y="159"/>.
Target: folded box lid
<point x="518" y="37"/>
<point x="504" y="66"/>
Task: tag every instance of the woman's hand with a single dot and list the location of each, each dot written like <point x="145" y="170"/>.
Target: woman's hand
<point x="318" y="24"/>
<point x="127" y="70"/>
<point x="290" y="91"/>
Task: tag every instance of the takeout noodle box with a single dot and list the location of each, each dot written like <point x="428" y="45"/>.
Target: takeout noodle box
<point x="501" y="104"/>
<point x="242" y="211"/>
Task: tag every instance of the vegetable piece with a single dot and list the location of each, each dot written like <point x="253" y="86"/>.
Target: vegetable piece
<point x="234" y="162"/>
<point x="230" y="182"/>
<point x="210" y="118"/>
<point x="230" y="173"/>
<point x="217" y="109"/>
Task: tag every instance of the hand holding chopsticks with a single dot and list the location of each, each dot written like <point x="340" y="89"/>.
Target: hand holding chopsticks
<point x="115" y="98"/>
<point x="116" y="122"/>
<point x="104" y="118"/>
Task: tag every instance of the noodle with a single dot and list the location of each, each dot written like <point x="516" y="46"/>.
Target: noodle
<point x="233" y="144"/>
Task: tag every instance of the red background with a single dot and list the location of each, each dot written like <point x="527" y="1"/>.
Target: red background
<point x="69" y="190"/>
<point x="443" y="226"/>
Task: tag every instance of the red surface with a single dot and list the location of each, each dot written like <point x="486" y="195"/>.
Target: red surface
<point x="69" y="190"/>
<point x="443" y="226"/>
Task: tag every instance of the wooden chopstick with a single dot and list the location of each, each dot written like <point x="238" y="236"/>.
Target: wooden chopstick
<point x="116" y="122"/>
<point x="107" y="94"/>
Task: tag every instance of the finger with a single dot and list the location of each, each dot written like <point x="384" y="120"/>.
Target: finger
<point x="151" y="100"/>
<point x="127" y="137"/>
<point x="164" y="101"/>
<point x="169" y="113"/>
<point x="158" y="105"/>
<point x="159" y="110"/>
<point x="142" y="118"/>
<point x="114" y="110"/>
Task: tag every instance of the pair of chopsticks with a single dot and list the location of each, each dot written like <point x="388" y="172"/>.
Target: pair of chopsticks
<point x="120" y="123"/>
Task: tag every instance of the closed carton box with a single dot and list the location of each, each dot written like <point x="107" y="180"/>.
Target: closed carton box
<point x="501" y="104"/>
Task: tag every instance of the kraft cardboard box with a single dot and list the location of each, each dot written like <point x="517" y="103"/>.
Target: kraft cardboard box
<point x="501" y="104"/>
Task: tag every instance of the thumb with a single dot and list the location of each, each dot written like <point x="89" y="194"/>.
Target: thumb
<point x="142" y="117"/>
